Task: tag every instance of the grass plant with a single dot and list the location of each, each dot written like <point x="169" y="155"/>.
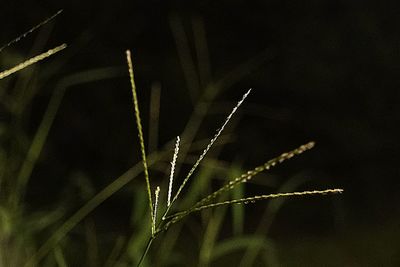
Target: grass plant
<point x="168" y="220"/>
<point x="178" y="204"/>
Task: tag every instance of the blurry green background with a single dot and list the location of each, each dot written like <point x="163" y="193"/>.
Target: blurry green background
<point x="320" y="70"/>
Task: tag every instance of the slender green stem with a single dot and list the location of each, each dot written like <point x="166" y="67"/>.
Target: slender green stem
<point x="151" y="239"/>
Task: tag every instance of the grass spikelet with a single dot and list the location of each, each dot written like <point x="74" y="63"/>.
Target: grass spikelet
<point x="250" y="174"/>
<point x="157" y="194"/>
<point x="32" y="61"/>
<point x="209" y="146"/>
<point x="179" y="215"/>
<point x="34" y="28"/>
<point x="264" y="197"/>
<point x="140" y="133"/>
<point x="171" y="176"/>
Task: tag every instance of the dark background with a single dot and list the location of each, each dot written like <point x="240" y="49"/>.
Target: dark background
<point x="327" y="71"/>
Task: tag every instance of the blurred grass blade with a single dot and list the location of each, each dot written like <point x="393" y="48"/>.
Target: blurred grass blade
<point x="210" y="237"/>
<point x="185" y="56"/>
<point x="115" y="251"/>
<point x="92" y="255"/>
<point x="265" y="221"/>
<point x="49" y="116"/>
<point x="226" y="247"/>
<point x="154" y="122"/>
<point x="59" y="257"/>
<point x="237" y="210"/>
<point x="202" y="52"/>
<point x="77" y="217"/>
<point x="213" y="89"/>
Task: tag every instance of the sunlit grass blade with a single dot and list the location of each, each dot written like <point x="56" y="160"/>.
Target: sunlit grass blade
<point x="34" y="28"/>
<point x="250" y="174"/>
<point x="140" y="134"/>
<point x="31" y="61"/>
<point x="209" y="146"/>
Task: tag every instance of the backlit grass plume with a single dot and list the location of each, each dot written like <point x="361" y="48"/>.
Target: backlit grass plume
<point x="170" y="219"/>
